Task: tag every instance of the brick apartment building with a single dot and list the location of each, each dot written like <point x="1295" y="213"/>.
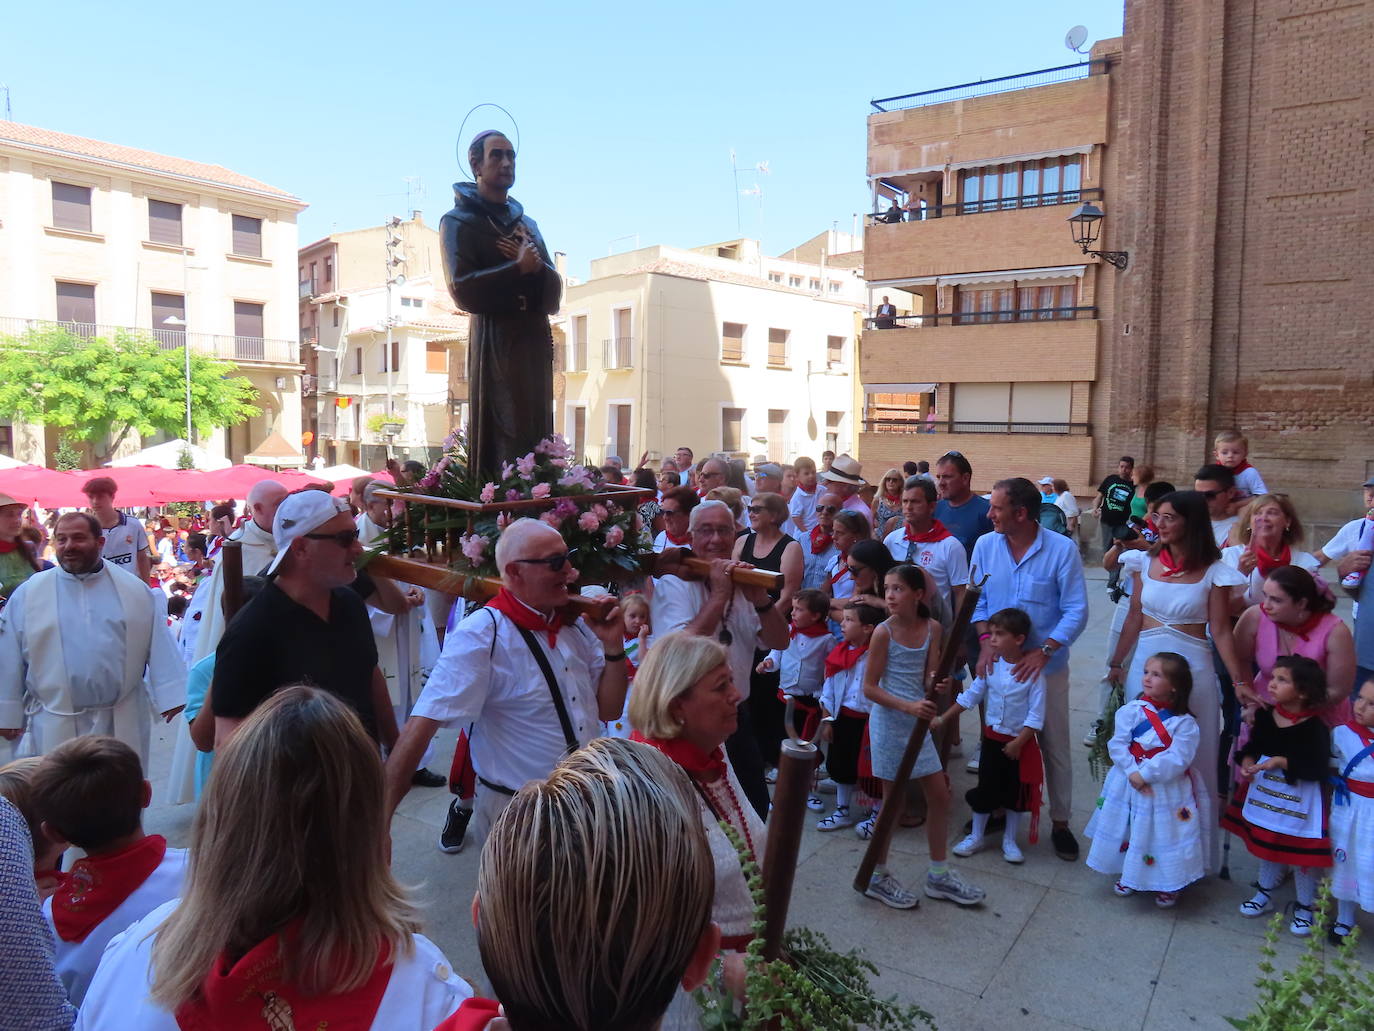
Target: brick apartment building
<point x="1229" y="146"/>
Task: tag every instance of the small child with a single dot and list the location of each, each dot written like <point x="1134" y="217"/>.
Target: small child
<point x="1352" y="815"/>
<point x="1277" y="809"/>
<point x="16" y="785"/>
<point x="801" y="666"/>
<point x="1010" y="769"/>
<point x="842" y="697"/>
<point x="1148" y="825"/>
<point x="898" y="680"/>
<point x="1231" y="451"/>
<point x="635" y="608"/>
<point x="90" y="792"/>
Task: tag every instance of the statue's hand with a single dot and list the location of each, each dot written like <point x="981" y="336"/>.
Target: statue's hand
<point x="528" y="260"/>
<point x="509" y="248"/>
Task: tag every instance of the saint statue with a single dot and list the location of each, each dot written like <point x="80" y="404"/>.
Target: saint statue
<point x="499" y="271"/>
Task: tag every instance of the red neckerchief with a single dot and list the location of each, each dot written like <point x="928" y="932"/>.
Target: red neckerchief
<point x="253" y="994"/>
<point x="1267" y="563"/>
<point x="937" y="532"/>
<point x="893" y="501"/>
<point x="814" y="630"/>
<point x="98" y="885"/>
<point x="473" y="1015"/>
<point x="1241" y="468"/>
<point x="820" y="540"/>
<point x="687" y="755"/>
<point x="8" y="546"/>
<point x="842" y="657"/>
<point x="1365" y="734"/>
<point x="1296" y="717"/>
<point x="1171" y="568"/>
<point x="1305" y="628"/>
<point x="525" y="617"/>
<point x="808" y="493"/>
<point x="684" y="541"/>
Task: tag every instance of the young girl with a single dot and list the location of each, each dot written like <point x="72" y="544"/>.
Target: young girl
<point x="1010" y="770"/>
<point x="635" y="608"/>
<point x="1148" y="825"/>
<point x="901" y="661"/>
<point x="1352" y="815"/>
<point x="1277" y="809"/>
<point x="842" y="697"/>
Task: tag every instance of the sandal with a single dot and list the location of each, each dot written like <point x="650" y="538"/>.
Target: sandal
<point x="1166" y="899"/>
<point x="1120" y="889"/>
<point x="1301" y="926"/>
<point x="1258" y="904"/>
<point x="815" y="803"/>
<point x="1336" y="936"/>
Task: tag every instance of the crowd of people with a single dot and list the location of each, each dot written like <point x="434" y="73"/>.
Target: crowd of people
<point x="600" y="757"/>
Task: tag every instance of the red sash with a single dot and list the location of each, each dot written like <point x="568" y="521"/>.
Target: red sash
<point x="1140" y="753"/>
<point x="473" y="1015"/>
<point x="462" y="778"/>
<point x="1304" y="629"/>
<point x="98" y="885"/>
<point x="252" y="995"/>
<point x="937" y="532"/>
<point x="1237" y="470"/>
<point x="810" y="711"/>
<point x="525" y="617"/>
<point x="1030" y="771"/>
<point x="842" y="657"/>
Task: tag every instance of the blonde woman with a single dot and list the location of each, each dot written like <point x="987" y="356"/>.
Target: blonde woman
<point x="1269" y="532"/>
<point x="733" y="499"/>
<point x="594" y="897"/>
<point x="887" y="500"/>
<point x="291" y="916"/>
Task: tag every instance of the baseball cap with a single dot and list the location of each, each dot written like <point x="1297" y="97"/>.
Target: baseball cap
<point x="769" y="469"/>
<point x="301" y="513"/>
<point x="1046" y="481"/>
<point x="6" y="501"/>
<point x="1368" y="483"/>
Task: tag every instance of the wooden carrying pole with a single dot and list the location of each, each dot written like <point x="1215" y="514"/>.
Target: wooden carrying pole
<point x="231" y="558"/>
<point x="891" y="810"/>
<point x="796" y="764"/>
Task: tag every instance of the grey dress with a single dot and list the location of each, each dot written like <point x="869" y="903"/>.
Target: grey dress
<point x="888" y="729"/>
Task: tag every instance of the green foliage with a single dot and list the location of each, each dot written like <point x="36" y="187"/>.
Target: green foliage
<point x="1099" y="759"/>
<point x="66" y="456"/>
<point x="814" y="988"/>
<point x="376" y="421"/>
<point x="100" y="387"/>
<point x="1328" y="990"/>
<point x="185" y="460"/>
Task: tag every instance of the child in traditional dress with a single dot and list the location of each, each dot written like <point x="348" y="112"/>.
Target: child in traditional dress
<point x="1148" y="825"/>
<point x="842" y="699"/>
<point x="1010" y="770"/>
<point x="900" y="676"/>
<point x="1277" y="810"/>
<point x="801" y="665"/>
<point x="90" y="792"/>
<point x="637" y="630"/>
<point x="1352" y="815"/>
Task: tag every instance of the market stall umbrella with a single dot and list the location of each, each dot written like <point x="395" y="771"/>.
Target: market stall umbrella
<point x="237" y="480"/>
<point x="35" y="485"/>
<point x="168" y="456"/>
<point x="343" y="483"/>
<point x="138" y="484"/>
<point x="6" y="462"/>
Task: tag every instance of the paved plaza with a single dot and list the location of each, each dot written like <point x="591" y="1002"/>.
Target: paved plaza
<point x="1050" y="948"/>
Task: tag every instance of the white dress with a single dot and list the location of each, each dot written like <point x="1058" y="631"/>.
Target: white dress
<point x="1352" y="825"/>
<point x="1150" y="842"/>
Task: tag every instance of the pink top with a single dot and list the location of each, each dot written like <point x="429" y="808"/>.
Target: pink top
<point x="1272" y="641"/>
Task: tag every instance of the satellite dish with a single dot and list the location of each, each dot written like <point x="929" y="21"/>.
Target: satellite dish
<point x="1075" y="38"/>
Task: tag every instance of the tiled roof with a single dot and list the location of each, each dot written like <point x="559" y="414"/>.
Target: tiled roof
<point x="98" y="150"/>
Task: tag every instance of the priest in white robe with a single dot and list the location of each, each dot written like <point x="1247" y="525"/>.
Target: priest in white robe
<point x="83" y="650"/>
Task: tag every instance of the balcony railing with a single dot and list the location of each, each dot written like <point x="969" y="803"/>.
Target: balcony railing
<point x="897" y="424"/>
<point x="979" y="318"/>
<point x="234" y="348"/>
<point x="978" y="207"/>
<point x="987" y="87"/>
<point x="308" y="288"/>
<point x="616" y="353"/>
<point x="732" y="350"/>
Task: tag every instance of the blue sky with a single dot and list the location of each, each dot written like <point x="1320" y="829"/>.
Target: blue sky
<point x="627" y="111"/>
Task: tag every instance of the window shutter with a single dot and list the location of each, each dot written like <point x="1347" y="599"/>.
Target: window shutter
<point x="247" y="236"/>
<point x="76" y="303"/>
<point x="164" y="222"/>
<point x="71" y="207"/>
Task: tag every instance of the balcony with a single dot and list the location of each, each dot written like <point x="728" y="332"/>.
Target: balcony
<point x="308" y="289"/>
<point x="995" y="450"/>
<point x="243" y="349"/>
<point x="617" y="353"/>
<point x="976" y="207"/>
<point x="983" y="346"/>
<point x="913" y="424"/>
<point x="988" y="87"/>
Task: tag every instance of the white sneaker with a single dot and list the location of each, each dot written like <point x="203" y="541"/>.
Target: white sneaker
<point x="841" y="817"/>
<point x="1012" y="853"/>
<point x="968" y="846"/>
<point x="972" y="765"/>
<point x="864" y="830"/>
<point x="950" y="885"/>
<point x="1090" y="738"/>
<point x="887" y="890"/>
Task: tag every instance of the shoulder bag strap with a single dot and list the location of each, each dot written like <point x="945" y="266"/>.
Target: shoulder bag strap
<point x="547" y="670"/>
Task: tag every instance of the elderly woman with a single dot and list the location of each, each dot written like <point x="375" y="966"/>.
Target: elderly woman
<point x="1269" y="532"/>
<point x="291" y="916"/>
<point x="887" y="501"/>
<point x="17" y="560"/>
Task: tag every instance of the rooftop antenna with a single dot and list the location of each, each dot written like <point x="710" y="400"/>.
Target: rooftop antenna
<point x="1075" y="38"/>
<point x="6" y="89"/>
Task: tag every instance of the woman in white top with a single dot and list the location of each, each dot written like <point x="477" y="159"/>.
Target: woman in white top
<point x="1180" y="590"/>
<point x="1269" y="532"/>
<point x="291" y="916"/>
<point x="1069" y="505"/>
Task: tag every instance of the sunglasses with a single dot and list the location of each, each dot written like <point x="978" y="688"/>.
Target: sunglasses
<point x="1210" y="494"/>
<point x="344" y="538"/>
<point x="827" y="508"/>
<point x="855" y="570"/>
<point x="554" y="562"/>
<point x="757" y="509"/>
<point x="672" y="511"/>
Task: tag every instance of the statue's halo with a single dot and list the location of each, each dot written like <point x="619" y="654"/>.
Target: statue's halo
<point x="461" y="147"/>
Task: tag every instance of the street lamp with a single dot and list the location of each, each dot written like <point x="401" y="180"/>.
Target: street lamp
<point x="176" y="320"/>
<point x="1085" y="225"/>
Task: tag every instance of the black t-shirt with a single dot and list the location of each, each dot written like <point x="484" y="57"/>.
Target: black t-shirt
<point x="1116" y="499"/>
<point x="274" y="642"/>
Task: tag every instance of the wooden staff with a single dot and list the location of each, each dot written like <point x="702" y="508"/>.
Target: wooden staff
<point x="231" y="558"/>
<point x="796" y="765"/>
<point x="891" y="810"/>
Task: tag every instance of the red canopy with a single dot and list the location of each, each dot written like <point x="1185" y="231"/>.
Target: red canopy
<point x="35" y="485"/>
<point x="140" y="485"/>
<point x="341" y="487"/>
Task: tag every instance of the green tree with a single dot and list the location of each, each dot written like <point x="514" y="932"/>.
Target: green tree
<point x="98" y="387"/>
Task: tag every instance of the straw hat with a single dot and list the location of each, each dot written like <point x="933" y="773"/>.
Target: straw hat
<point x="845" y="470"/>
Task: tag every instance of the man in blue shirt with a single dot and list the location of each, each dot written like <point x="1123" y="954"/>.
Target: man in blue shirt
<point x="963" y="512"/>
<point x="1040" y="573"/>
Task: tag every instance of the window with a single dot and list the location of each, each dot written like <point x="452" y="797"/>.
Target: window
<point x="1040" y="402"/>
<point x="248" y="237"/>
<point x="395" y="356"/>
<point x="412" y="302"/>
<point x="314" y="277"/>
<point x="732" y="429"/>
<point x="436" y="358"/>
<point x="1021" y="406"/>
<point x="577" y="430"/>
<point x="1024" y="184"/>
<point x="620" y="348"/>
<point x="832" y="430"/>
<point x="71" y="207"/>
<point x="357" y="361"/>
<point x="777" y="347"/>
<point x="328" y="271"/>
<point x="248" y="342"/>
<point x="164" y="222"/>
<point x="334" y="314"/>
<point x="815" y="284"/>
<point x="619" y="430"/>
<point x="1010" y="302"/>
<point x="732" y="342"/>
<point x="775" y="277"/>
<point x="577" y="347"/>
<point x="895" y="413"/>
<point x="169" y="306"/>
<point x="76" y="304"/>
<point x="777" y="434"/>
<point x="794" y="281"/>
<point x="834" y="286"/>
<point x="834" y="350"/>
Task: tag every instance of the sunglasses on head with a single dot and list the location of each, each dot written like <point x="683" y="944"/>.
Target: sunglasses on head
<point x="554" y="562"/>
<point x="344" y="538"/>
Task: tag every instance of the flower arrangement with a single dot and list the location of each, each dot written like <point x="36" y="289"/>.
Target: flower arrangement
<point x="547" y="484"/>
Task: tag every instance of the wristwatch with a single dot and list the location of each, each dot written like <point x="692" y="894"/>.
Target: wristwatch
<point x="1048" y="650"/>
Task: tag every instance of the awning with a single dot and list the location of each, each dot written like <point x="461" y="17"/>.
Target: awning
<point x="1001" y="159"/>
<point x="899" y="388"/>
<point x="1021" y="275"/>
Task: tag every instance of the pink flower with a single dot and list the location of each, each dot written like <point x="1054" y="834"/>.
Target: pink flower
<point x="513" y="494"/>
<point x="558" y="463"/>
<point x="551" y="519"/>
<point x="565" y="507"/>
<point x="502" y="520"/>
<point x="577" y="476"/>
<point x="507" y="470"/>
<point x="555" y="446"/>
<point x="614" y="537"/>
<point x="541" y="490"/>
<point x="473" y="547"/>
<point x="453" y="440"/>
<point x="525" y="466"/>
<point x="488" y="494"/>
<point x="601" y="512"/>
<point x="431" y="479"/>
<point x="588" y="521"/>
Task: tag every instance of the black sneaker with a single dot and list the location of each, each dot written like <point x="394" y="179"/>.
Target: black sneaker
<point x="1065" y="844"/>
<point x="423" y="778"/>
<point x="455" y="827"/>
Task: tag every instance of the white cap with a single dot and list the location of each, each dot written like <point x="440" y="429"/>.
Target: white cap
<point x="301" y="513"/>
<point x="1046" y="481"/>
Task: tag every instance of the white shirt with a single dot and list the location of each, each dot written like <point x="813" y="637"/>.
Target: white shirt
<point x="676" y="603"/>
<point x="123" y="542"/>
<point x="497" y="684"/>
<point x="801" y="664"/>
<point x="944" y="561"/>
<point x="803" y="505"/>
<point x="1069" y="504"/>
<point x="1356" y="535"/>
<point x="845" y="690"/>
<point x="838" y="576"/>
<point x="1249" y="481"/>
<point x="1254" y="590"/>
<point x="1012" y="705"/>
<point x="1221" y="529"/>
